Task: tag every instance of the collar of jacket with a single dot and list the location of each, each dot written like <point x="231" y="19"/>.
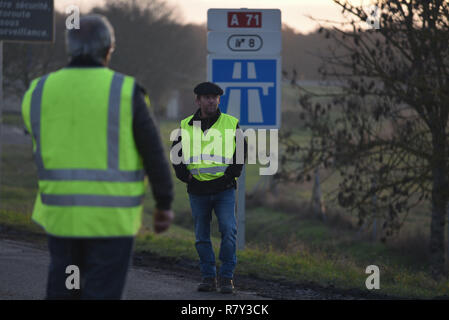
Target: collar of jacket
<point x="84" y="61"/>
<point x="211" y="120"/>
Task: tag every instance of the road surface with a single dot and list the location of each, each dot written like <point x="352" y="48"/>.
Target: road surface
<point x="23" y="275"/>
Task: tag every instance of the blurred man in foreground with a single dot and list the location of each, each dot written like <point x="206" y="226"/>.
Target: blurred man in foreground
<point x="94" y="140"/>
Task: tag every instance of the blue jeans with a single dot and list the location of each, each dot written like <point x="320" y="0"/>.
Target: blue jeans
<point x="223" y="204"/>
<point x="103" y="264"/>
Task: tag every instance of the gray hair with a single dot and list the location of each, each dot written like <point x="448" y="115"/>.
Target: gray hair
<point x="94" y="38"/>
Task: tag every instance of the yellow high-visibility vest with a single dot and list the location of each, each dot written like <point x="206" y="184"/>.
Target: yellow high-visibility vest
<point x="208" y="156"/>
<point x="91" y="178"/>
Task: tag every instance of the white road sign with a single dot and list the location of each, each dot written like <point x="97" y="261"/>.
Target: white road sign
<point x="244" y="59"/>
<point x="236" y="42"/>
<point x="250" y="19"/>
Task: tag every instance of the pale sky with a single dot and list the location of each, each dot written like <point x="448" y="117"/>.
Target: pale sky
<point x="293" y="12"/>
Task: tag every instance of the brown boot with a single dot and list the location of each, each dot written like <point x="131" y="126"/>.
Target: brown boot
<point x="208" y="285"/>
<point x="226" y="285"/>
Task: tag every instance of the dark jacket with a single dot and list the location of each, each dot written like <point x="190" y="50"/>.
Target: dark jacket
<point x="148" y="143"/>
<point x="197" y="187"/>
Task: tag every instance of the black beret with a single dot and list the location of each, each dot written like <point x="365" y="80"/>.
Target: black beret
<point x="205" y="88"/>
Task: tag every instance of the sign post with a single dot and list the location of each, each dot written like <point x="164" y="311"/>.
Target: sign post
<point x="1" y="106"/>
<point x="23" y="21"/>
<point x="244" y="59"/>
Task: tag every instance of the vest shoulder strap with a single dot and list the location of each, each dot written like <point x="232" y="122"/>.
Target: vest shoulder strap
<point x="185" y="121"/>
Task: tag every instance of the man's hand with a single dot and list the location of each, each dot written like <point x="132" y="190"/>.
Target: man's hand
<point x="162" y="220"/>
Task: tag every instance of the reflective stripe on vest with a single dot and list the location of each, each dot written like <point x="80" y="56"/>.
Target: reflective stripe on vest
<point x="208" y="157"/>
<point x="91" y="200"/>
<point x="205" y="166"/>
<point x="212" y="170"/>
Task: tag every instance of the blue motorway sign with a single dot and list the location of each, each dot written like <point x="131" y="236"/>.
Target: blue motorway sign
<point x="252" y="88"/>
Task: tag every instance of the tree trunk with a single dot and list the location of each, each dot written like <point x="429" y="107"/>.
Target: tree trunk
<point x="318" y="206"/>
<point x="437" y="234"/>
<point x="439" y="205"/>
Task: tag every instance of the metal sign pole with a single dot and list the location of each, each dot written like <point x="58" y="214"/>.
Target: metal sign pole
<point x="241" y="210"/>
<point x="1" y="108"/>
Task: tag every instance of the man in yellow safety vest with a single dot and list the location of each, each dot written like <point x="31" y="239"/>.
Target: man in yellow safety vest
<point x="94" y="140"/>
<point x="209" y="167"/>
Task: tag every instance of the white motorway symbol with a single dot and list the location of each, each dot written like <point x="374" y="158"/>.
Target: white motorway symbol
<point x="234" y="102"/>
